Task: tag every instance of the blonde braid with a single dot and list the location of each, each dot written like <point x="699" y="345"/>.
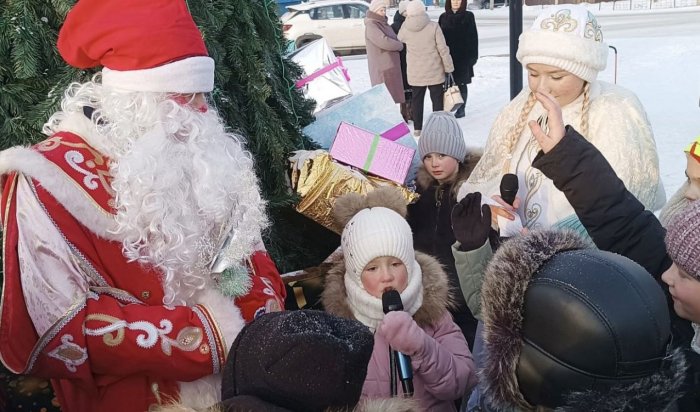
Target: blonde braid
<point x="514" y="134"/>
<point x="584" y="109"/>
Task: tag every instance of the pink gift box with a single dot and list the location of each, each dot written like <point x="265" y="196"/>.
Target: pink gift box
<point x="371" y="152"/>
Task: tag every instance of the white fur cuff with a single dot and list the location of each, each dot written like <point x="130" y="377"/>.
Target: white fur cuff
<point x="191" y="75"/>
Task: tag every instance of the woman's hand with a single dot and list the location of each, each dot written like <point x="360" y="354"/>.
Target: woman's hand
<point x="556" y="131"/>
<point x="505" y="210"/>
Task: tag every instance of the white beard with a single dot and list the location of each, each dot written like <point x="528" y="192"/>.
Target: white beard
<point x="178" y="190"/>
<point x="181" y="183"/>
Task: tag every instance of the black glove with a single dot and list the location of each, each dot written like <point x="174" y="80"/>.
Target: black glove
<point x="471" y="222"/>
<point x="449" y="81"/>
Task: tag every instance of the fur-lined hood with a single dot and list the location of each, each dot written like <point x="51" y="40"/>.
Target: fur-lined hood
<point x="365" y="405"/>
<point x="506" y="280"/>
<point x="424" y="180"/>
<point x="436" y="295"/>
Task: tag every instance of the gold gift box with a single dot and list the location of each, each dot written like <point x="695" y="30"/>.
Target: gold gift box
<point x="320" y="180"/>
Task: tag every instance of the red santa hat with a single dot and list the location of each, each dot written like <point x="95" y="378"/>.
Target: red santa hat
<point x="149" y="46"/>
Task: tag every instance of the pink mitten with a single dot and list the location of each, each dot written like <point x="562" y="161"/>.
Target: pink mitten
<point x="402" y="333"/>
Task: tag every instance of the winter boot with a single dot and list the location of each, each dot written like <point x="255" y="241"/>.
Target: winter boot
<point x="460" y="112"/>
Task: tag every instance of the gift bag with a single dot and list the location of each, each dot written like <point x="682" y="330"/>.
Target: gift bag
<point x="452" y="98"/>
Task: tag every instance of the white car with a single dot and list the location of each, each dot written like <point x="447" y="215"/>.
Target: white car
<point x="340" y="22"/>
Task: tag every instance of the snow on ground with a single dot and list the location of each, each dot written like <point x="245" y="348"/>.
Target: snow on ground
<point x="658" y="57"/>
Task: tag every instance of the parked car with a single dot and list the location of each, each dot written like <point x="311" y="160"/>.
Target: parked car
<point x="340" y="22"/>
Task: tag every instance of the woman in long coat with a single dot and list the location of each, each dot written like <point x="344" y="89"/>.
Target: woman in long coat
<point x="383" y="51"/>
<point x="459" y="27"/>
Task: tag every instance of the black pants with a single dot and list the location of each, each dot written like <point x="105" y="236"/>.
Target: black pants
<point x="417" y="102"/>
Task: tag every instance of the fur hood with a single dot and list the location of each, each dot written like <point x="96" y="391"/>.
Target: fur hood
<point x="424" y="180"/>
<point x="506" y="280"/>
<point x="365" y="405"/>
<point x="436" y="296"/>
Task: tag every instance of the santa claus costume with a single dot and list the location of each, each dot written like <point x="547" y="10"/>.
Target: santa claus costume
<point x="132" y="234"/>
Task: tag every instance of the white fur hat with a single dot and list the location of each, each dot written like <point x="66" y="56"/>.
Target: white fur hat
<point x="415" y="8"/>
<point x="376" y="5"/>
<point x="568" y="37"/>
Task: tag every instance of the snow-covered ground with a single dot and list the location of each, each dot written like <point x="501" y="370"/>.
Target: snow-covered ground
<point x="658" y="57"/>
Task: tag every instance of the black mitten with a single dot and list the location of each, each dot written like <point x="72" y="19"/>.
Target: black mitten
<point x="471" y="222"/>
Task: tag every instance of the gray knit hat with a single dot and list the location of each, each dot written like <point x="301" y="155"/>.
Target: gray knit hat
<point x="683" y="239"/>
<point x="442" y="134"/>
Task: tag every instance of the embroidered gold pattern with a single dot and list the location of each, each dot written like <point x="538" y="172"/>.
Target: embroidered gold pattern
<point x="97" y="164"/>
<point x="187" y="340"/>
<point x="560" y="21"/>
<point x="69" y="353"/>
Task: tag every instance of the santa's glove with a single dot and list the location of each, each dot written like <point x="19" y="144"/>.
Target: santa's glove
<point x="471" y="222"/>
<point x="402" y="333"/>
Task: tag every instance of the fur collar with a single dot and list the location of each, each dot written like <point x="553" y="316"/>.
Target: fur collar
<point x="424" y="180"/>
<point x="436" y="297"/>
<point x="502" y="296"/>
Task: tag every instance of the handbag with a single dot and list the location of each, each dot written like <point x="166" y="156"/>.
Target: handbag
<point x="452" y="98"/>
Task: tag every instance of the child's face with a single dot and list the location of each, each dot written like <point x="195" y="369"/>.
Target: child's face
<point x="685" y="291"/>
<point x="692" y="171"/>
<point x="384" y="273"/>
<point x="564" y="86"/>
<point x="441" y="167"/>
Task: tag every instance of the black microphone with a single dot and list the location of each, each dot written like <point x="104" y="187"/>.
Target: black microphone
<point x="509" y="188"/>
<point x="391" y="301"/>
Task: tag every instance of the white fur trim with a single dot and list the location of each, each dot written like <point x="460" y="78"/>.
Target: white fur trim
<point x="202" y="393"/>
<point x="65" y="190"/>
<point x="225" y="313"/>
<point x="579" y="56"/>
<point x="190" y="75"/>
<point x="206" y="391"/>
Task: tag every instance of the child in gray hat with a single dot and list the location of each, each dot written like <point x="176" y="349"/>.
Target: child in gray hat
<point x="447" y="162"/>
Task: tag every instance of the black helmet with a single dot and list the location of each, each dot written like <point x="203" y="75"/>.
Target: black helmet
<point x="575" y="328"/>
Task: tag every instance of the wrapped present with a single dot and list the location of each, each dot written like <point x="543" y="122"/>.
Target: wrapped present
<point x="325" y="78"/>
<point x="371" y="152"/>
<point x="318" y="180"/>
<point x="373" y="110"/>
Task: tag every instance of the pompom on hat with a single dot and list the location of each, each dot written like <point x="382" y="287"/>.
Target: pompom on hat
<point x="145" y="46"/>
<point x="683" y="239"/>
<point x="568" y="37"/>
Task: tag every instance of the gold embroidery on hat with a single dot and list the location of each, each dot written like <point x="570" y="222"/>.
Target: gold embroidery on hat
<point x="560" y="21"/>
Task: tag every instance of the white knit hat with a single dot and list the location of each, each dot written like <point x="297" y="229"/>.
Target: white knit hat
<point x="415" y="8"/>
<point x="376" y="5"/>
<point x="371" y="233"/>
<point x="568" y="37"/>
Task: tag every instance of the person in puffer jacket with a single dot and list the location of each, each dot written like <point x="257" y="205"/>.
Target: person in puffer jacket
<point x="378" y="256"/>
<point x="428" y="60"/>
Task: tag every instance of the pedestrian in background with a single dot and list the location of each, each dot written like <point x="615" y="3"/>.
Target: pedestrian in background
<point x="383" y="51"/>
<point x="427" y="60"/>
<point x="459" y="28"/>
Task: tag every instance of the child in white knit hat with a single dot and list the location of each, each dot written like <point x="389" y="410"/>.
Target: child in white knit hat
<point x="377" y="246"/>
<point x="563" y="52"/>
